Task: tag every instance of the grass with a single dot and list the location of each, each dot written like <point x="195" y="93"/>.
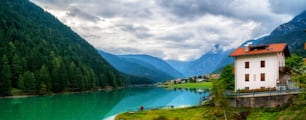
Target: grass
<point x="293" y="112"/>
<point x="202" y="85"/>
<point x="190" y="113"/>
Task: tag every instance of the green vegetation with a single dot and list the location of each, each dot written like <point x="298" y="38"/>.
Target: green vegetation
<point x="298" y="73"/>
<point x="225" y="82"/>
<point x="228" y="77"/>
<point x="293" y="112"/>
<point x="191" y="113"/>
<point x="203" y="85"/>
<point x="298" y="69"/>
<point x="210" y="113"/>
<point x="40" y="55"/>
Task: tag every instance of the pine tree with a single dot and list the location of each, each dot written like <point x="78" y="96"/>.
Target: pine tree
<point x="72" y="75"/>
<point x="16" y="69"/>
<point x="29" y="81"/>
<point x="44" y="78"/>
<point x="20" y="83"/>
<point x="6" y="76"/>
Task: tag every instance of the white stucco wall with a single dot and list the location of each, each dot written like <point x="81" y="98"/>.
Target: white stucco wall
<point x="271" y="70"/>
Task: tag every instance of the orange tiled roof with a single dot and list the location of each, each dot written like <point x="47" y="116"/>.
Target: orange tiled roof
<point x="271" y="48"/>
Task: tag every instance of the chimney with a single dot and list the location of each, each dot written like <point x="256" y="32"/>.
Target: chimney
<point x="247" y="46"/>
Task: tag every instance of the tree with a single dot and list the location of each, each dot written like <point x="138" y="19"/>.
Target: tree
<point x="228" y="77"/>
<point x="42" y="89"/>
<point x="298" y="71"/>
<point x="29" y="81"/>
<point x="295" y="64"/>
<point x="225" y="82"/>
<point x="16" y="69"/>
<point x="72" y="75"/>
<point x="6" y="76"/>
<point x="218" y="89"/>
<point x="20" y="83"/>
<point x="44" y="78"/>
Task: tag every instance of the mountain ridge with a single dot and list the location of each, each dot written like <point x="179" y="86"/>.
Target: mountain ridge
<point x="137" y="66"/>
<point x="291" y="33"/>
<point x="203" y="65"/>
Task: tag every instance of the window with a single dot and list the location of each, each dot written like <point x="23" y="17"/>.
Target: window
<point x="262" y="77"/>
<point x="262" y="64"/>
<point x="247" y="64"/>
<point x="247" y="77"/>
<point x="246" y="88"/>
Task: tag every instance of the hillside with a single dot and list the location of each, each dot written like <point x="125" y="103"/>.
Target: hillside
<point x="40" y="55"/>
<point x="155" y="62"/>
<point x="142" y="66"/>
<point x="291" y="33"/>
<point x="206" y="64"/>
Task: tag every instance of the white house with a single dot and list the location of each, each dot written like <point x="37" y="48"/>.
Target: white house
<point x="261" y="67"/>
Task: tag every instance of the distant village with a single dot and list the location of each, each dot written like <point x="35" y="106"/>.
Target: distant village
<point x="193" y="79"/>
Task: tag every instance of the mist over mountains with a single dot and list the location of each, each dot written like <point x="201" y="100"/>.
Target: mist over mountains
<point x="291" y="33"/>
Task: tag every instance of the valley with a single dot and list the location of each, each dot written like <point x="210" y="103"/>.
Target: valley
<point x="159" y="60"/>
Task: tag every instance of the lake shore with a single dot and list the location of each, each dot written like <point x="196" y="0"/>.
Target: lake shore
<point x="108" y="88"/>
<point x="200" y="85"/>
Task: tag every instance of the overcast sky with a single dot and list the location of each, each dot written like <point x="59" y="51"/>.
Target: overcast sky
<point x="171" y="29"/>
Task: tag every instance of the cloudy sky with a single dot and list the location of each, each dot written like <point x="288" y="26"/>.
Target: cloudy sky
<point x="171" y="29"/>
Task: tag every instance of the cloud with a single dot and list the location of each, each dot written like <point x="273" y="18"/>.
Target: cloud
<point x="139" y="31"/>
<point x="75" y="12"/>
<point x="171" y="29"/>
<point x="292" y="7"/>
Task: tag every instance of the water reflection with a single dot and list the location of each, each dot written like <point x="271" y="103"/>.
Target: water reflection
<point x="95" y="105"/>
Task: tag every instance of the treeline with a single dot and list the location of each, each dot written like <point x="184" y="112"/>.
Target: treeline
<point x="40" y="55"/>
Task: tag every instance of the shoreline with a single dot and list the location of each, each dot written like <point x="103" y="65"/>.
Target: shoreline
<point x="142" y="85"/>
<point x="109" y="88"/>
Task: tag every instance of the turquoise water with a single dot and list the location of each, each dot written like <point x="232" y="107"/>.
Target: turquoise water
<point x="94" y="105"/>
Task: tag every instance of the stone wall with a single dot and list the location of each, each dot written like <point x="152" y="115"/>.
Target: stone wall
<point x="262" y="101"/>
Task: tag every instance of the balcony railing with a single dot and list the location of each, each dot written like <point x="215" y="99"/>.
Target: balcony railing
<point x="284" y="70"/>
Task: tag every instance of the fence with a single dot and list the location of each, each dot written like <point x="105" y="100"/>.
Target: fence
<point x="265" y="93"/>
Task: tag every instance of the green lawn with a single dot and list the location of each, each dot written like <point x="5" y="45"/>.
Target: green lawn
<point x="203" y="85"/>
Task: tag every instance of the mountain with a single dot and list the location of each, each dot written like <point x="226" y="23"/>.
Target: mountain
<point x="41" y="55"/>
<point x="155" y="62"/>
<point x="206" y="64"/>
<point x="291" y="33"/>
<point x="145" y="66"/>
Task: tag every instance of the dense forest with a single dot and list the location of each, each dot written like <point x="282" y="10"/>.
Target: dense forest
<point x="40" y="55"/>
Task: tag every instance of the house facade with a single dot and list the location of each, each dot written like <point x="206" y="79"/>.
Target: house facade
<point x="261" y="67"/>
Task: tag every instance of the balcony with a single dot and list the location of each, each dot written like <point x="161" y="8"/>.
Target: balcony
<point x="284" y="70"/>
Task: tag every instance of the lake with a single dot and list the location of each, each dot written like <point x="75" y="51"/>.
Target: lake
<point x="95" y="105"/>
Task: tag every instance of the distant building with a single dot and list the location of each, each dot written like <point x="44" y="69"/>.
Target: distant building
<point x="200" y="80"/>
<point x="178" y="81"/>
<point x="262" y="67"/>
<point x="214" y="76"/>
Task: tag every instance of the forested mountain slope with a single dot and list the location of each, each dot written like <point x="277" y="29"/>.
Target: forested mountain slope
<point x="40" y="55"/>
